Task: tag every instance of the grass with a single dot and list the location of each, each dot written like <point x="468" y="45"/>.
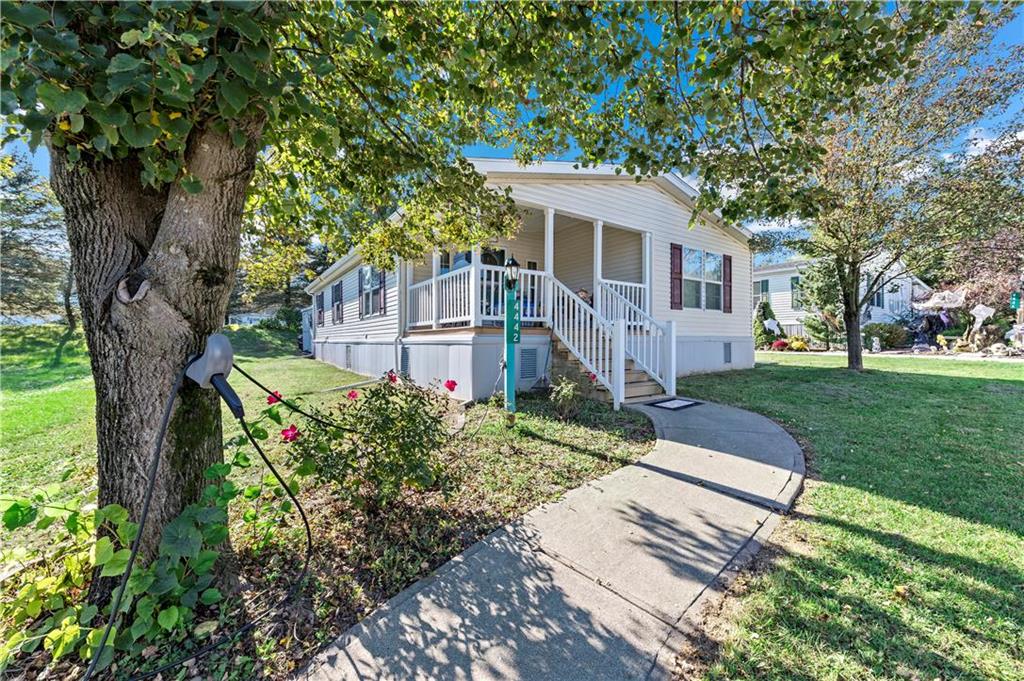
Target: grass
<point x="491" y="475"/>
<point x="905" y="557"/>
<point x="47" y="420"/>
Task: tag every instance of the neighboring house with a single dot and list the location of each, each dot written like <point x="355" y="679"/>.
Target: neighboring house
<point x="779" y="284"/>
<point x="670" y="300"/>
<point x="253" y="317"/>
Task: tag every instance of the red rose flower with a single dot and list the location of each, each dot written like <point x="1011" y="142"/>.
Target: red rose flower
<point x="593" y="377"/>
<point x="290" y="434"/>
<point x="353" y="394"/>
<point x="392" y="377"/>
<point x="450" y="384"/>
<point x="274" y="399"/>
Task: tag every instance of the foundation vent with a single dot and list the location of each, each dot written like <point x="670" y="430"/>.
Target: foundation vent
<point x="348" y="356"/>
<point x="404" y="369"/>
<point x="727" y="352"/>
<point x="528" y="363"/>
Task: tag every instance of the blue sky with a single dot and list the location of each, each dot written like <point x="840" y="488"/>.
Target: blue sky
<point x="1011" y="34"/>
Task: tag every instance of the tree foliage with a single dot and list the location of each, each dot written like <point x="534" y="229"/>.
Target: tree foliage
<point x="367" y="105"/>
<point x="902" y="183"/>
<point x="35" y="278"/>
<point x="820" y="293"/>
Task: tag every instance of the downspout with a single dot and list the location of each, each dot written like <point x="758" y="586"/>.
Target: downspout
<point x="401" y="282"/>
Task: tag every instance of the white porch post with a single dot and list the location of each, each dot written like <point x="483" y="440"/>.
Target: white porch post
<point x="549" y="262"/>
<point x="435" y="301"/>
<point x="598" y="257"/>
<point x="647" y="260"/>
<point x="670" y="364"/>
<point x="618" y="362"/>
<point x="474" y="287"/>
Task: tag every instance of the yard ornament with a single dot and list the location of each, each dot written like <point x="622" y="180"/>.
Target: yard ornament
<point x="773" y="326"/>
<point x="981" y="313"/>
<point x="947" y="300"/>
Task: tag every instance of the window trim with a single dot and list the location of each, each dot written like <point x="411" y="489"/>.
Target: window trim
<point x="700" y="281"/>
<point x="378" y="287"/>
<point x="319" y="305"/>
<point x="795" y="298"/>
<point x="337" y="302"/>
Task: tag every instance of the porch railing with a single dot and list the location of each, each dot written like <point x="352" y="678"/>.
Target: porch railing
<point x="598" y="343"/>
<point x="649" y="343"/>
<point x="421" y="304"/>
<point x="454" y="297"/>
<point x="532" y="304"/>
<point x="631" y="291"/>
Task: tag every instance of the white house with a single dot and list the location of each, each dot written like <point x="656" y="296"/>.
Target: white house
<point x="779" y="284"/>
<point x="670" y="300"/>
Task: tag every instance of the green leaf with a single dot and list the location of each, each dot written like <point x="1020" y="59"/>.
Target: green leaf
<point x="19" y="514"/>
<point x="210" y="596"/>
<point x="25" y="14"/>
<point x="217" y="470"/>
<point x="204" y="562"/>
<point x="215" y="534"/>
<point x="274" y="414"/>
<point x="139" y="135"/>
<point x="204" y="629"/>
<point x="181" y="539"/>
<point x="123" y="62"/>
<point x="191" y="184"/>
<point x="117" y="563"/>
<point x="235" y="94"/>
<point x="259" y="432"/>
<point x="168" y="617"/>
<point x="86" y="614"/>
<point x="115" y="513"/>
<point x="102" y="551"/>
<point x="247" y="27"/>
<point x="241" y="64"/>
<point x="58" y="100"/>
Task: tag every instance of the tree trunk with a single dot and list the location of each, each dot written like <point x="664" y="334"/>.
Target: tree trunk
<point x="154" y="270"/>
<point x="848" y="275"/>
<point x="69" y="309"/>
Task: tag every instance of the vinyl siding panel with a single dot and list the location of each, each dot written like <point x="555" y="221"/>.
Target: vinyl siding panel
<point x="377" y="327"/>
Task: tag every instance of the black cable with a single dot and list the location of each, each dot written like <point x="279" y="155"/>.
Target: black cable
<point x="150" y="483"/>
<point x="290" y="405"/>
<point x="296" y="585"/>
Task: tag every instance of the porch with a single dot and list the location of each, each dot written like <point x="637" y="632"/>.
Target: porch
<point x="588" y="257"/>
<point x="586" y="281"/>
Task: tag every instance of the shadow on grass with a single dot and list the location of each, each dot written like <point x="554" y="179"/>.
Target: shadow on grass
<point x="875" y="604"/>
<point x="949" y="442"/>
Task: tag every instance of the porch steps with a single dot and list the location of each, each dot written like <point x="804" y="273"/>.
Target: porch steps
<point x="639" y="386"/>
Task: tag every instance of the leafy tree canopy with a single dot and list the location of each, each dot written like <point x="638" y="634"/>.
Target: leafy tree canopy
<point x="364" y="107"/>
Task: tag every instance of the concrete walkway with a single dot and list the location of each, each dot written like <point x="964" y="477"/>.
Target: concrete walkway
<point x="595" y="586"/>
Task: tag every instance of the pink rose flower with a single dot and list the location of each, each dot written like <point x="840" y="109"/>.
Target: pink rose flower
<point x="290" y="434"/>
<point x="353" y="394"/>
<point x="392" y="377"/>
<point x="451" y="385"/>
<point x="593" y="377"/>
<point x="274" y="399"/>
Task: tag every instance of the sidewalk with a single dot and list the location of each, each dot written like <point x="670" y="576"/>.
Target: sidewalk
<point x="596" y="585"/>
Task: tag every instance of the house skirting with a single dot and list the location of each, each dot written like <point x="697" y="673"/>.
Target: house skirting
<point x="471" y="357"/>
<point x="704" y="354"/>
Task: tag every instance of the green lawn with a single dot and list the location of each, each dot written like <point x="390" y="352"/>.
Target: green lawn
<point x="905" y="558"/>
<point x="47" y="411"/>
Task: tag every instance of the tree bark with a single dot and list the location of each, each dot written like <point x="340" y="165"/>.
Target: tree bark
<point x="849" y="282"/>
<point x="69" y="309"/>
<point x="154" y="270"/>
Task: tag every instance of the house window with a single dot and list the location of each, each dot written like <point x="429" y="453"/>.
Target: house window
<point x="760" y="291"/>
<point x="320" y="309"/>
<point x="712" y="281"/>
<point x="878" y="300"/>
<point x="336" y="304"/>
<point x="794" y="292"/>
<point x="693" y="272"/>
<point x="371" y="291"/>
<point x="446" y="263"/>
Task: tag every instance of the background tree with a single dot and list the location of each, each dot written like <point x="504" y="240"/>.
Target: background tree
<point x="157" y="116"/>
<point x="823" y="303"/>
<point x="901" y="183"/>
<point x="36" y="279"/>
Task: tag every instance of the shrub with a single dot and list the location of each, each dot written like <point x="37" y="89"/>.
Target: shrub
<point x="566" y="397"/>
<point x="780" y="344"/>
<point x="889" y="335"/>
<point x="387" y="440"/>
<point x="763" y="337"/>
<point x="825" y="327"/>
<point x="798" y="345"/>
<point x="285" y="319"/>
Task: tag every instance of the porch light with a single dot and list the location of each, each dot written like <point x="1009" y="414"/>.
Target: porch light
<point x="511" y="273"/>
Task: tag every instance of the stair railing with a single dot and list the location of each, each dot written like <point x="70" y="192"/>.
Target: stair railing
<point x="649" y="343"/>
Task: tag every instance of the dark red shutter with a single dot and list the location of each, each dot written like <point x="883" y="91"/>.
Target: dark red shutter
<point x="676" y="277"/>
<point x="359" y="276"/>
<point x="341" y="302"/>
<point x="383" y="292"/>
<point x="726" y="283"/>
